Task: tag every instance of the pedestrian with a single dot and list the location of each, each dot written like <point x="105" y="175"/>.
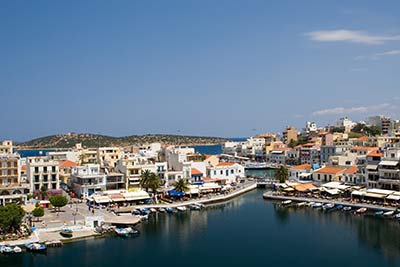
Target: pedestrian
<point x="93" y="211"/>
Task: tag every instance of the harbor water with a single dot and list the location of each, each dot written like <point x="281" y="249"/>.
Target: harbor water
<point x="246" y="231"/>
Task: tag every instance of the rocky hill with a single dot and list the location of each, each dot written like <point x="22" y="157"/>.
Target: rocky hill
<point x="95" y="140"/>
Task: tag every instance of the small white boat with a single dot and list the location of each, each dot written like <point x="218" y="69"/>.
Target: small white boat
<point x="301" y="204"/>
<point x="181" y="208"/>
<point x="317" y="205"/>
<point x="153" y="210"/>
<point x="162" y="210"/>
<point x="397" y="216"/>
<point x="17" y="249"/>
<point x="328" y="206"/>
<point x="347" y="208"/>
<point x="388" y="213"/>
<point x="144" y="217"/>
<point x="361" y="210"/>
<point x="286" y="202"/>
<point x="310" y="204"/>
<point x="5" y="249"/>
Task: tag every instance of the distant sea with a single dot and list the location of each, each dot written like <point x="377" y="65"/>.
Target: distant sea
<point x="33" y="152"/>
<point x="215" y="149"/>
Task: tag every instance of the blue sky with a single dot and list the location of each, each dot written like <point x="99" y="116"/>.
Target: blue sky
<point x="220" y="68"/>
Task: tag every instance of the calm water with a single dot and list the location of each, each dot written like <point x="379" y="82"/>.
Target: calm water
<point x="247" y="231"/>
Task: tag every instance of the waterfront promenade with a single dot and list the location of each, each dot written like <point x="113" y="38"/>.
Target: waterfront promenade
<point x="273" y="196"/>
<point x="246" y="187"/>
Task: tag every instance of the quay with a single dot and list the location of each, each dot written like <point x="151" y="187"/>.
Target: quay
<point x="271" y="196"/>
<point x="205" y="201"/>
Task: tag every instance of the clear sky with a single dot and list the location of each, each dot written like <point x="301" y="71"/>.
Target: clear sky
<point x="219" y="68"/>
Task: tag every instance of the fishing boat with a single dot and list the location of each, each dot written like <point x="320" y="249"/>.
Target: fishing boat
<point x="153" y="210"/>
<point x="339" y="207"/>
<point x="181" y="208"/>
<point x="286" y="202"/>
<point x="144" y="217"/>
<point x="328" y="206"/>
<point x="162" y="210"/>
<point x="144" y="211"/>
<point x="194" y="207"/>
<point x="347" y="208"/>
<point x="126" y="232"/>
<point x="301" y="204"/>
<point x="397" y="216"/>
<point x="379" y="213"/>
<point x="136" y="212"/>
<point x="389" y="213"/>
<point x="17" y="250"/>
<point x="310" y="204"/>
<point x="5" y="249"/>
<point x="169" y="209"/>
<point x="361" y="210"/>
<point x="36" y="247"/>
<point x="317" y="205"/>
<point x="66" y="232"/>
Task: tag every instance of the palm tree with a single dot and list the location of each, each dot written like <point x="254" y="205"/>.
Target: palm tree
<point x="43" y="192"/>
<point x="181" y="185"/>
<point x="144" y="178"/>
<point x="282" y="174"/>
<point x="153" y="182"/>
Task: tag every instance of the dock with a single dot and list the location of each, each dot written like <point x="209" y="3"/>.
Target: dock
<point x="271" y="196"/>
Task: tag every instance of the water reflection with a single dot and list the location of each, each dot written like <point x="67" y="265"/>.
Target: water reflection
<point x="374" y="233"/>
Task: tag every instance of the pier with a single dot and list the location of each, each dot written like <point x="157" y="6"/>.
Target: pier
<point x="271" y="196"/>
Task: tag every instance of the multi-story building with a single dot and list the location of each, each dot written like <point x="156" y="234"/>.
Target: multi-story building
<point x="289" y="134"/>
<point x="6" y="147"/>
<point x="42" y="172"/>
<point x="301" y="173"/>
<point x="11" y="187"/>
<point x="371" y="169"/>
<point x="328" y="174"/>
<point x="115" y="181"/>
<point x="389" y="170"/>
<point x="309" y="154"/>
<point x="87" y="180"/>
<point x="383" y="122"/>
<point x="226" y="170"/>
<point x="108" y="156"/>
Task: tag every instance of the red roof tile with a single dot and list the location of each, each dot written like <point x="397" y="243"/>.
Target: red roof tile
<point x="196" y="171"/>
<point x="68" y="163"/>
<point x="330" y="170"/>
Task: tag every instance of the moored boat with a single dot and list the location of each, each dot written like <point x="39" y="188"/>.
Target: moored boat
<point x="286" y="202"/>
<point x="347" y="208"/>
<point x="361" y="210"/>
<point x="136" y="212"/>
<point x="194" y="207"/>
<point x="389" y="213"/>
<point x="339" y="207"/>
<point x="328" y="206"/>
<point x="317" y="205"/>
<point x="169" y="209"/>
<point x="153" y="210"/>
<point x="126" y="232"/>
<point x="181" y="208"/>
<point x="379" y="213"/>
<point x="144" y="211"/>
<point x="66" y="232"/>
<point x="36" y="247"/>
<point x="301" y="204"/>
<point x="162" y="210"/>
<point x="5" y="249"/>
<point x="17" y="249"/>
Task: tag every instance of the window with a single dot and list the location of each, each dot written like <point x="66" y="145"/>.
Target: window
<point x="232" y="171"/>
<point x="215" y="172"/>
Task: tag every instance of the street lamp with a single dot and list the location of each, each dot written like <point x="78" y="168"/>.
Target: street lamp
<point x="74" y="213"/>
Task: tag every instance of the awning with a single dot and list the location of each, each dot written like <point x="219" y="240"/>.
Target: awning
<point x="389" y="163"/>
<point x="358" y="193"/>
<point x="332" y="191"/>
<point x="101" y="199"/>
<point x="374" y="195"/>
<point x="288" y="189"/>
<point x="372" y="167"/>
<point x="117" y="197"/>
<point x="132" y="196"/>
<point x="393" y="197"/>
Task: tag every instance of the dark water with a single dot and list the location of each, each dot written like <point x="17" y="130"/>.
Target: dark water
<point x="209" y="150"/>
<point x="247" y="231"/>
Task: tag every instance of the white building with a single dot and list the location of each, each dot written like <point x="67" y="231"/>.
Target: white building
<point x="42" y="172"/>
<point x="226" y="170"/>
<point x="6" y="147"/>
<point x="86" y="180"/>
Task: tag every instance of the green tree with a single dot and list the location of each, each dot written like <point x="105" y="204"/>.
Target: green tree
<point x="11" y="217"/>
<point x="58" y="201"/>
<point x="38" y="212"/>
<point x="43" y="192"/>
<point x="181" y="185"/>
<point x="153" y="182"/>
<point x="282" y="174"/>
<point x="144" y="179"/>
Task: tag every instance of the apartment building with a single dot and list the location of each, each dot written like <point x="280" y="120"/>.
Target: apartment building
<point x="42" y="172"/>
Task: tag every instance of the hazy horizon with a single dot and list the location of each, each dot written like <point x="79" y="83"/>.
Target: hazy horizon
<point x="204" y="68"/>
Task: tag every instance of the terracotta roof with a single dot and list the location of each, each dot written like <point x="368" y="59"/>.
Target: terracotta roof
<point x="362" y="138"/>
<point x="330" y="170"/>
<point x="68" y="163"/>
<point x="208" y="179"/>
<point x="196" y="171"/>
<point x="301" y="167"/>
<point x="221" y="164"/>
<point x="351" y="170"/>
<point x="303" y="187"/>
<point x="375" y="153"/>
<point x="364" y="148"/>
<point x="23" y="168"/>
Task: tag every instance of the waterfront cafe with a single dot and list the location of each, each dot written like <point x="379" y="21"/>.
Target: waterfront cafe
<point x="376" y="196"/>
<point x="118" y="197"/>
